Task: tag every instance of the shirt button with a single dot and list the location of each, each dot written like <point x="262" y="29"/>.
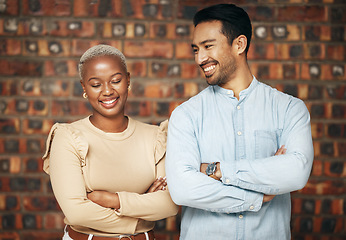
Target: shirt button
<point x="241" y="216"/>
<point x="227" y="180"/>
<point x="239" y="133"/>
<point x="252" y="207"/>
<point x="229" y="92"/>
<point x="238" y="107"/>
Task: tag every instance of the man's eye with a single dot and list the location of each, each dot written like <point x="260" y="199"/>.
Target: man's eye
<point x="208" y="46"/>
<point x="194" y="50"/>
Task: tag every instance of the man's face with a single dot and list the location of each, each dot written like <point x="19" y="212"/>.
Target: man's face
<point x="213" y="53"/>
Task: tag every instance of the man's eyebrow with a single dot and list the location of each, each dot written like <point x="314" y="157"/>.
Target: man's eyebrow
<point x="204" y="42"/>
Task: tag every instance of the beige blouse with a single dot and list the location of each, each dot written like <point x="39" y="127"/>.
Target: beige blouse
<point x="81" y="158"/>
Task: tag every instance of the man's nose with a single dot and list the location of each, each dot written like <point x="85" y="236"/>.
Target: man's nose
<point x="201" y="57"/>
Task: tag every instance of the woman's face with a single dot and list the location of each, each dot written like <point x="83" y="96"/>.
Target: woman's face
<point x="105" y="81"/>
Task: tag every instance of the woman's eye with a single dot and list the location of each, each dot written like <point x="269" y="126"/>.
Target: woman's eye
<point x="95" y="85"/>
<point x="116" y="81"/>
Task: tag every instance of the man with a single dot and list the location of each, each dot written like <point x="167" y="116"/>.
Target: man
<point x="235" y="126"/>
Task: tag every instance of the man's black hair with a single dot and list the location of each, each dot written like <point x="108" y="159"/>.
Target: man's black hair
<point x="235" y="21"/>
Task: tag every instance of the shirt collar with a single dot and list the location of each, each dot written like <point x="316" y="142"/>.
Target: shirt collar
<point x="242" y="94"/>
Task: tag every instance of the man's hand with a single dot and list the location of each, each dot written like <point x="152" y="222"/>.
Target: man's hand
<point x="105" y="199"/>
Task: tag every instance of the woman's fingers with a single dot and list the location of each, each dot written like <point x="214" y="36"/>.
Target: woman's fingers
<point x="159" y="184"/>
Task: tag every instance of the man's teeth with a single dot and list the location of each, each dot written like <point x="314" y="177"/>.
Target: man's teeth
<point x="209" y="68"/>
<point x="109" y="102"/>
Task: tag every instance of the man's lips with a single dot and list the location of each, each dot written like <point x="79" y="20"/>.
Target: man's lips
<point x="208" y="68"/>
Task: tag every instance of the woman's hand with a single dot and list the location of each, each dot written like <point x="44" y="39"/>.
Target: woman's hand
<point x="159" y="184"/>
<point x="105" y="199"/>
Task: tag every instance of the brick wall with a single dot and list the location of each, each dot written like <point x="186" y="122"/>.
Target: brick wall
<point x="298" y="47"/>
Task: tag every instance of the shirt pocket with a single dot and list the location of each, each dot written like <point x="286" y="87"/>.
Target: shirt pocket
<point x="266" y="144"/>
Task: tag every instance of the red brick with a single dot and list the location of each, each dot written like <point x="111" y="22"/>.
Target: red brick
<point x="20" y="68"/>
<point x="317" y="168"/>
<point x="336" y="52"/>
<point x="303" y="13"/>
<point x="186" y="90"/>
<point x="37" y="126"/>
<point x="137" y="68"/>
<point x="183" y="50"/>
<point x="80" y="46"/>
<point x="158" y="90"/>
<point x="9" y="236"/>
<point x="148" y="49"/>
<point x="54" y="221"/>
<point x="10" y="47"/>
<point x="317" y="130"/>
<point x="30" y="107"/>
<point x="189" y="70"/>
<point x="12" y="8"/>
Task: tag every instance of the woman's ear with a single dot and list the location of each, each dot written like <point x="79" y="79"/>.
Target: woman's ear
<point x="241" y="43"/>
<point x="128" y="79"/>
<point x="81" y="82"/>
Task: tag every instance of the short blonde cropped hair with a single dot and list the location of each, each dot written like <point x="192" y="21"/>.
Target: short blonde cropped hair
<point x="97" y="51"/>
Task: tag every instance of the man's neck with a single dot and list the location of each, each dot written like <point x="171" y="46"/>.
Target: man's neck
<point x="240" y="81"/>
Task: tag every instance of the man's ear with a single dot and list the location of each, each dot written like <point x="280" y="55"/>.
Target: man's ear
<point x="241" y="43"/>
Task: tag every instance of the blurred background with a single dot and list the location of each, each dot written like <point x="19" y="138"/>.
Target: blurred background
<point x="298" y="46"/>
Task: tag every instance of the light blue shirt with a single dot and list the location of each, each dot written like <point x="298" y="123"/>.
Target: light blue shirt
<point x="243" y="135"/>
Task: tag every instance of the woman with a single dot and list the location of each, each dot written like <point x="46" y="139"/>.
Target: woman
<point x="105" y="169"/>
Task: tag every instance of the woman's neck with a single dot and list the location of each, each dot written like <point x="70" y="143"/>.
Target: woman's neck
<point x="110" y="125"/>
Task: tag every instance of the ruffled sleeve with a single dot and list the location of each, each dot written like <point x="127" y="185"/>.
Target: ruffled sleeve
<point x="80" y="144"/>
<point x="161" y="141"/>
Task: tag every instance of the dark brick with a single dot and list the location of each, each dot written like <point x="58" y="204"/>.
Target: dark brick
<point x="336" y="167"/>
<point x="314" y="51"/>
<point x="5" y="165"/>
<point x="12" y="146"/>
<point x="306" y="225"/>
<point x="150" y="10"/>
<point x="291" y="90"/>
<point x="335" y="130"/>
<point x="317" y="111"/>
<point x="327" y="149"/>
<point x="189" y="11"/>
<point x="18" y="184"/>
<point x="338" y="14"/>
<point x="33" y="146"/>
<point x="104" y="7"/>
<point x="160" y="225"/>
<point x="11" y="202"/>
<point x="289" y="71"/>
<point x="337" y="34"/>
<point x="312" y="33"/>
<point x="308" y="206"/>
<point x="338" y="111"/>
<point x="29" y="221"/>
<point x="8" y="221"/>
<point x="328" y="225"/>
<point x="32" y="165"/>
<point x="326" y="206"/>
<point x="296" y="51"/>
<point x="162" y="108"/>
<point x="315" y="92"/>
